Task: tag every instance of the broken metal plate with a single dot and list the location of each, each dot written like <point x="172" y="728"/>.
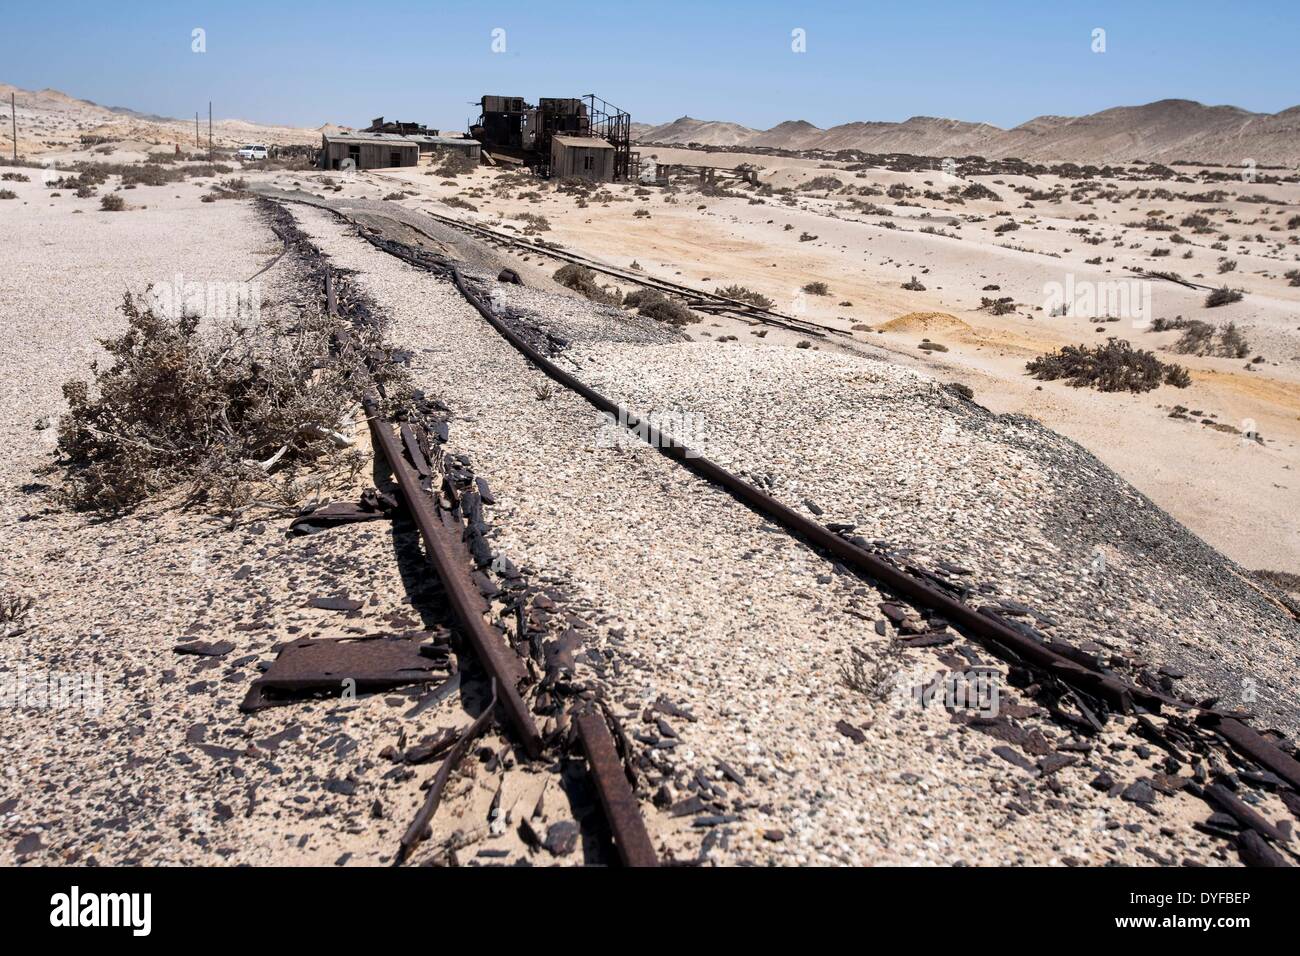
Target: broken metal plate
<point x="370" y="663"/>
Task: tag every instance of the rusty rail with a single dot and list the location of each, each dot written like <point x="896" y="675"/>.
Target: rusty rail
<point x="443" y="545"/>
<point x="989" y="629"/>
<point x="616" y="797"/>
<point x="996" y="636"/>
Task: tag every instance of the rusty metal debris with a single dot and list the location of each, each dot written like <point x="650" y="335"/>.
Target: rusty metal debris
<point x="442" y="536"/>
<point x="415" y="832"/>
<point x="1257" y="748"/>
<point x="616" y="797"/>
<point x="372" y="506"/>
<point x="358" y="664"/>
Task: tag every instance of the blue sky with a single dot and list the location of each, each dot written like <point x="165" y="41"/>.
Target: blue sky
<point x="304" y="63"/>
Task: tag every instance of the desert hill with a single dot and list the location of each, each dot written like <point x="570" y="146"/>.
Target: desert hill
<point x="1163" y="131"/>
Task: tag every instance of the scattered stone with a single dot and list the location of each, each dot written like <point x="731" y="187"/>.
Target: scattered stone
<point x="562" y="838"/>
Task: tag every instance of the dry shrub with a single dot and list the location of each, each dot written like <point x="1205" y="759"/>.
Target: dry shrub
<point x="454" y="164"/>
<point x="583" y="280"/>
<point x="112" y="203"/>
<point x="1222" y="296"/>
<point x="533" y="222"/>
<point x="1202" y="338"/>
<point x="822" y="183"/>
<point x="639" y="297"/>
<point x="999" y="306"/>
<point x="874" y="676"/>
<point x="655" y="305"/>
<point x="668" y="310"/>
<point x="742" y="294"/>
<point x="1113" y="367"/>
<point x="13" y="613"/>
<point x="221" y="413"/>
<point x="980" y="191"/>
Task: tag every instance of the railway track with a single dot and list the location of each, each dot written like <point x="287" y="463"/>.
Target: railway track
<point x="1080" y="692"/>
<point x="441" y="505"/>
<point x="699" y="299"/>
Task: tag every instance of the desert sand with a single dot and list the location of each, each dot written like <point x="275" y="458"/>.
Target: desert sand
<point x="1238" y="494"/>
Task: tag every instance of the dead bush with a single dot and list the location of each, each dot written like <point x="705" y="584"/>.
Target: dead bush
<point x="218" y="412"/>
<point x="668" y="310"/>
<point x="817" y="288"/>
<point x="1202" y="338"/>
<point x="534" y="222"/>
<point x="112" y="203"/>
<point x="999" y="306"/>
<point x="821" y="184"/>
<point x="454" y="164"/>
<point x="1113" y="367"/>
<point x="1222" y="296"/>
<point x="583" y="280"/>
<point x="980" y="191"/>
<point x="13" y="614"/>
<point x="742" y="294"/>
<point x="639" y="297"/>
<point x="874" y="677"/>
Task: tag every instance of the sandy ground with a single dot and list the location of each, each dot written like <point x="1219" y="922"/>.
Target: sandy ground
<point x="737" y="624"/>
<point x="746" y="629"/>
<point x="1237" y="494"/>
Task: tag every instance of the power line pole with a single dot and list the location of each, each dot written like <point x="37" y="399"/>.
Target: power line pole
<point x="209" y="130"/>
<point x="13" y="116"/>
<point x="197" y="141"/>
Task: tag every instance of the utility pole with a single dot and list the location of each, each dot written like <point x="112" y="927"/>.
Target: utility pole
<point x="209" y="130"/>
<point x="197" y="141"/>
<point x="13" y="116"/>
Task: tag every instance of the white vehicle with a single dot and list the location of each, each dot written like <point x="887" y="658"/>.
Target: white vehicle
<point x="252" y="152"/>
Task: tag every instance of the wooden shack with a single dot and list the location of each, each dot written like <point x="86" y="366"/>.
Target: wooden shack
<point x="582" y="157"/>
<point x="367" y="151"/>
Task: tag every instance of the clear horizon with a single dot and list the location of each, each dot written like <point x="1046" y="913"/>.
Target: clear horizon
<point x="304" y="65"/>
